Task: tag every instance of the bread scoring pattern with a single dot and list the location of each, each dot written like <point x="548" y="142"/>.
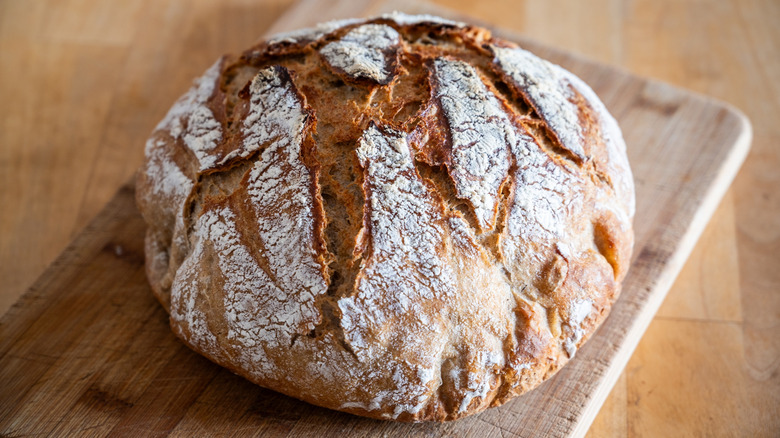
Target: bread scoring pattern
<point x="401" y="217"/>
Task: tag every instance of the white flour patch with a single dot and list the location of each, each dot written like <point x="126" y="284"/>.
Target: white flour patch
<point x="616" y="148"/>
<point x="481" y="134"/>
<point x="280" y="187"/>
<point x="578" y="312"/>
<point x="549" y="92"/>
<point x="275" y="112"/>
<point x="167" y="178"/>
<point x="365" y="52"/>
<point x="266" y="308"/>
<point x="402" y="275"/>
<point x="202" y="132"/>
<point x="543" y="194"/>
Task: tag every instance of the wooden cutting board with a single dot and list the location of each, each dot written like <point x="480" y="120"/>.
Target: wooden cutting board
<point x="87" y="349"/>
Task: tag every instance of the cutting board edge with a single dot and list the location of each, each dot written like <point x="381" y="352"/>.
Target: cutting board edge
<point x="718" y="189"/>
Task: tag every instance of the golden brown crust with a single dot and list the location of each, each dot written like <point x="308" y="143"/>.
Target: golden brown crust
<point x="401" y="217"/>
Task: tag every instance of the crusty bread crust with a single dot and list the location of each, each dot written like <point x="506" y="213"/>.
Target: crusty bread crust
<point x="401" y="217"/>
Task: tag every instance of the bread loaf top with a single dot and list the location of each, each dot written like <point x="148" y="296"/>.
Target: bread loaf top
<point x="401" y="217"/>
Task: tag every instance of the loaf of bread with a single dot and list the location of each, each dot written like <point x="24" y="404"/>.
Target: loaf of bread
<point x="401" y="217"/>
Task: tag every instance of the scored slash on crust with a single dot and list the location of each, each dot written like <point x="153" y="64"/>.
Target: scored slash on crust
<point x="311" y="232"/>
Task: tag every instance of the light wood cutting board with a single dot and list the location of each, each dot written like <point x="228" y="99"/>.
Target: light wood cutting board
<point x="88" y="350"/>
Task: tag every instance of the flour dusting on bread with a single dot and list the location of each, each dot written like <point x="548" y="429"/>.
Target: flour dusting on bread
<point x="365" y="52"/>
<point x="400" y="217"/>
<point x="549" y="93"/>
<point x="481" y="133"/>
<point x="192" y="121"/>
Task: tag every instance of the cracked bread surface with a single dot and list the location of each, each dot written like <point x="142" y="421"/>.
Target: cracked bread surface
<point x="400" y="217"/>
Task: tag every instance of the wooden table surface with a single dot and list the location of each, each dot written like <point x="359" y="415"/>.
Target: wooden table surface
<point x="83" y="82"/>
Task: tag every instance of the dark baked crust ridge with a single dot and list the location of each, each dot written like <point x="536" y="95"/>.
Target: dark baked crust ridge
<point x="526" y="298"/>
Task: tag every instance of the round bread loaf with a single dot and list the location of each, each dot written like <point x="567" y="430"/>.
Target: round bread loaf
<point x="400" y="217"/>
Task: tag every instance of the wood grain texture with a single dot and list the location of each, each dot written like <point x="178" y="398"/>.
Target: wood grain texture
<point x="87" y="80"/>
